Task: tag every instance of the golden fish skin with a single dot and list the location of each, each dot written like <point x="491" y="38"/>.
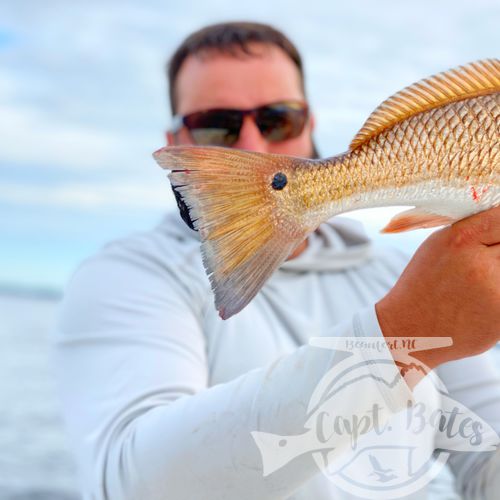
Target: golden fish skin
<point x="433" y="145"/>
<point x="446" y="160"/>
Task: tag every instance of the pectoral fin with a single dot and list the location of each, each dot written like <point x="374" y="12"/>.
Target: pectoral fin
<point x="415" y="218"/>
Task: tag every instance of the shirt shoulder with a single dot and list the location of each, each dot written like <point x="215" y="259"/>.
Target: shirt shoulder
<point x="136" y="278"/>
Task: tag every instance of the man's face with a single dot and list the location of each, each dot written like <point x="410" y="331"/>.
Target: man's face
<point x="224" y="81"/>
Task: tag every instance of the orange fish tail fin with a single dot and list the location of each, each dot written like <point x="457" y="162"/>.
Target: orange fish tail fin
<point x="233" y="201"/>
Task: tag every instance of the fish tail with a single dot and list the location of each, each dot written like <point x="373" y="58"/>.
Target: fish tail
<point x="276" y="451"/>
<point x="233" y="201"/>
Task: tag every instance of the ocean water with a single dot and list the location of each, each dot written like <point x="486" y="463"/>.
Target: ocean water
<point x="35" y="463"/>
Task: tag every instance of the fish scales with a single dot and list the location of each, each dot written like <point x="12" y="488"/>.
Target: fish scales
<point x="457" y="144"/>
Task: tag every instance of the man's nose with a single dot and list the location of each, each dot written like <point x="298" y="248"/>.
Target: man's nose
<point x="250" y="137"/>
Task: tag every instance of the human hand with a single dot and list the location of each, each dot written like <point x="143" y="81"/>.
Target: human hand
<point x="450" y="288"/>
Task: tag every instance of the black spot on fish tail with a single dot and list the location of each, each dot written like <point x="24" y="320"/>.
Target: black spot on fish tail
<point x="183" y="209"/>
<point x="279" y="181"/>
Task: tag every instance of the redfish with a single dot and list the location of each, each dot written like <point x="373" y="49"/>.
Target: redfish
<point x="434" y="146"/>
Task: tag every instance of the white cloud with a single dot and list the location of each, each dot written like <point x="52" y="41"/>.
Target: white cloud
<point x="90" y="196"/>
<point x="30" y="137"/>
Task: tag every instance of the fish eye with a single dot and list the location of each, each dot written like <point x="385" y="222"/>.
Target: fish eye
<point x="279" y="181"/>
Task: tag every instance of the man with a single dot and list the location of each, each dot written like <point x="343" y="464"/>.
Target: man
<point x="161" y="396"/>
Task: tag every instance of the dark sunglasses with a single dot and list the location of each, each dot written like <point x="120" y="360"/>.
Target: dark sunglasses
<point x="221" y="127"/>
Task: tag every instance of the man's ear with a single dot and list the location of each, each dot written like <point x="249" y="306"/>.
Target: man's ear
<point x="312" y="124"/>
<point x="312" y="121"/>
<point x="170" y="137"/>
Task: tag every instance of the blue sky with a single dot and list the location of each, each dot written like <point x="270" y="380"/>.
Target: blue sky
<point x="83" y="104"/>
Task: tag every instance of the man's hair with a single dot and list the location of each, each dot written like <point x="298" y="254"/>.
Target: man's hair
<point x="234" y="38"/>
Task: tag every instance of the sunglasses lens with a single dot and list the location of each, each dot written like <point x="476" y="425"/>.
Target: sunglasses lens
<point x="213" y="137"/>
<point x="221" y="127"/>
<point x="279" y="122"/>
<point x="215" y="127"/>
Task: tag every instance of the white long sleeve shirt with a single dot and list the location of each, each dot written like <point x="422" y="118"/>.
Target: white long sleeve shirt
<point x="161" y="396"/>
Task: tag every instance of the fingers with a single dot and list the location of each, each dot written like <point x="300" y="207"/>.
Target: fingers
<point x="483" y="228"/>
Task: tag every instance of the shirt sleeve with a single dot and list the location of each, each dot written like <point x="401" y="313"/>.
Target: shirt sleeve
<point x="132" y="370"/>
<point x="475" y="382"/>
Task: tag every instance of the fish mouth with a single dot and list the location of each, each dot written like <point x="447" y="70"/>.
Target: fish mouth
<point x="183" y="209"/>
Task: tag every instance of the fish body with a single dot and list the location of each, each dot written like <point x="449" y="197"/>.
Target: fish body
<point x="434" y="145"/>
<point x="444" y="161"/>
